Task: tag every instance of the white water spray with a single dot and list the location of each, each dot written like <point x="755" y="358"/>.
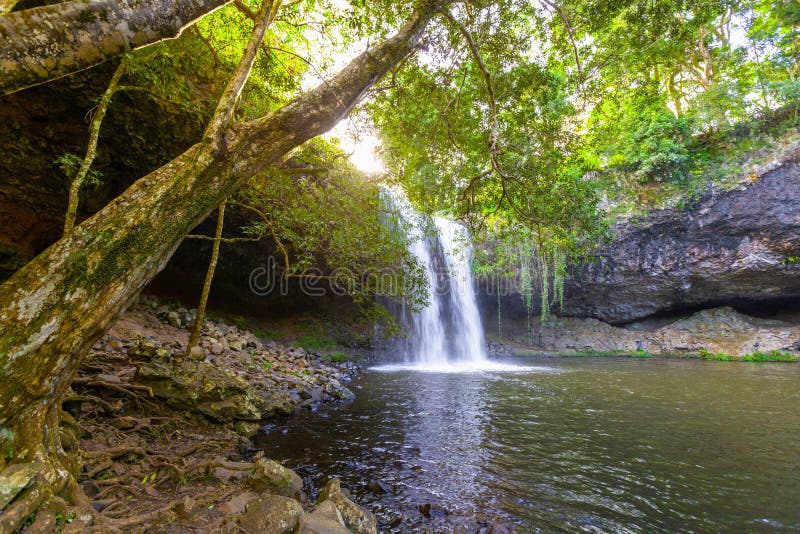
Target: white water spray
<point x="447" y="333"/>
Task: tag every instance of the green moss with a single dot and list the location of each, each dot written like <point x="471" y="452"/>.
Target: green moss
<point x="336" y="357"/>
<point x="313" y="342"/>
<point x="265" y="333"/>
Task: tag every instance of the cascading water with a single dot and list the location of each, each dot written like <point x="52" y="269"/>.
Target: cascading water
<point x="468" y="342"/>
<point x="447" y="331"/>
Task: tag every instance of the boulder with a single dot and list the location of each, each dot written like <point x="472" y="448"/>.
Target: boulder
<point x="356" y="517"/>
<point x="378" y="487"/>
<point x="326" y="519"/>
<point x="268" y="475"/>
<point x="270" y="514"/>
<point x="238" y="503"/>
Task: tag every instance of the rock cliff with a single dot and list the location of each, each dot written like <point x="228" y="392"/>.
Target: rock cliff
<point x="737" y="248"/>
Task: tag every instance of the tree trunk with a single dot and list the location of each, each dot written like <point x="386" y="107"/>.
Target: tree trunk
<point x="44" y="43"/>
<point x="58" y="305"/>
<point x="212" y="266"/>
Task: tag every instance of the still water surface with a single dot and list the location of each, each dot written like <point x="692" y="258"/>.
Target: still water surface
<point x="568" y="445"/>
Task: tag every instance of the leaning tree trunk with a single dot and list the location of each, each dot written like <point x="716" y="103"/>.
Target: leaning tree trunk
<point x="44" y="43"/>
<point x="58" y="305"/>
<point x="197" y="328"/>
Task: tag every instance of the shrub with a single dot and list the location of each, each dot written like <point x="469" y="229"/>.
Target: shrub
<point x="658" y="149"/>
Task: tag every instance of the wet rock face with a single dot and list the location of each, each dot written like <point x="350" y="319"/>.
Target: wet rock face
<point x="718" y="331"/>
<point x="732" y="249"/>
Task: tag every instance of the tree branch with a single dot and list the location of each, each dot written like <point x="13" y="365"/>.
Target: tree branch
<point x="48" y="42"/>
<point x="230" y="96"/>
<point x="570" y="35"/>
<point x="91" y="150"/>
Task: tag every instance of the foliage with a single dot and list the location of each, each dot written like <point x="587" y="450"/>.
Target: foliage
<point x="773" y="356"/>
<point x="71" y="163"/>
<point x="326" y="220"/>
<point x="657" y="149"/>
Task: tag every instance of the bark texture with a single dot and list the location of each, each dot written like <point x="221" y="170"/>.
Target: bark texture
<point x="44" y="43"/>
<point x="7" y="5"/>
<point x="53" y="309"/>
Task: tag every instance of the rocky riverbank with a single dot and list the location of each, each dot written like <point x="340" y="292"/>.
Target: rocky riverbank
<point x="719" y="331"/>
<point x="165" y="439"/>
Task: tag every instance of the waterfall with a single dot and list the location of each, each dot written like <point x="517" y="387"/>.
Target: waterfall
<point x="448" y="330"/>
<point x="468" y="342"/>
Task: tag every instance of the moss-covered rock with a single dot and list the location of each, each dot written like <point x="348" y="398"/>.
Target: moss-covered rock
<point x="268" y="475"/>
<point x="217" y="393"/>
<point x="271" y="513"/>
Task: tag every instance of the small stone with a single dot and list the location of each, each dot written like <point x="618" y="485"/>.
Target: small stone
<point x="235" y="345"/>
<point x="174" y="319"/>
<point x="217" y="348"/>
<point x="197" y="353"/>
<point x="498" y="528"/>
<point x="123" y="423"/>
<point x="378" y="487"/>
<point x="271" y="514"/>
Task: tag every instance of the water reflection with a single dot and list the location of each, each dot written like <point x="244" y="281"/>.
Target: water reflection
<point x="603" y="445"/>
